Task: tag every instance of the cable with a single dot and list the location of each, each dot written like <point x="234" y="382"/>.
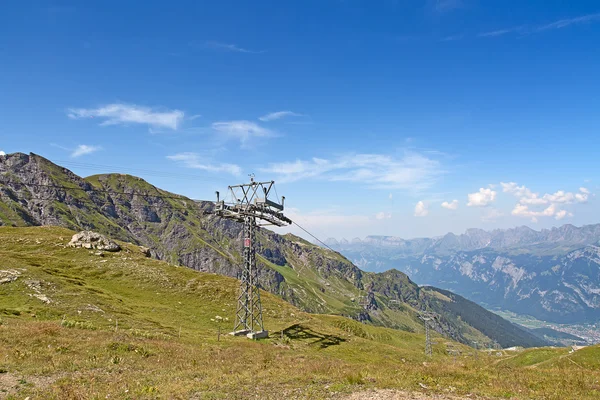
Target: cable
<point x="314" y="237"/>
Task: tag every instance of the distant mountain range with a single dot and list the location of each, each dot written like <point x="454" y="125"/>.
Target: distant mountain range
<point x="523" y="238"/>
<point x="552" y="274"/>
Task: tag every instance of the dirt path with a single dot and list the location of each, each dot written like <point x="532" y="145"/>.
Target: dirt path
<point x="386" y="394"/>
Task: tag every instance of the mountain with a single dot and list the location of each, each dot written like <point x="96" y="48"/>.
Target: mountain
<point x="516" y="240"/>
<point x="35" y="191"/>
<point x="79" y="324"/>
<point x="552" y="274"/>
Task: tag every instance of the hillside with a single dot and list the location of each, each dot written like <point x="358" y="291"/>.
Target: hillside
<point x="35" y="191"/>
<point x="76" y="323"/>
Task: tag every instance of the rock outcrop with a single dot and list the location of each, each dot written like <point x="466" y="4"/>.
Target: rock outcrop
<point x="93" y="240"/>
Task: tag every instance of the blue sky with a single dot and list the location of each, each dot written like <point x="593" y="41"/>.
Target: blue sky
<point x="372" y="116"/>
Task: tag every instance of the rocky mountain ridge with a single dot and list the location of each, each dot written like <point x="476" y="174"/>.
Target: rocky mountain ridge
<point x="34" y="191"/>
<point x="551" y="240"/>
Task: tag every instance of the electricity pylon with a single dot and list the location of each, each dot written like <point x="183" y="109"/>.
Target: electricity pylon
<point x="251" y="202"/>
<point x="427" y="316"/>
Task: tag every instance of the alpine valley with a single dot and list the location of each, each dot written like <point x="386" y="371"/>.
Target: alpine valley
<point x="552" y="275"/>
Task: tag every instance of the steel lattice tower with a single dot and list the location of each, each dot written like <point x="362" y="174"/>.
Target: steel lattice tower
<point x="250" y="202"/>
<point x="427" y="316"/>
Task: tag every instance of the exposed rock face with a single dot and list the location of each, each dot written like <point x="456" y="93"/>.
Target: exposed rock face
<point x="93" y="240"/>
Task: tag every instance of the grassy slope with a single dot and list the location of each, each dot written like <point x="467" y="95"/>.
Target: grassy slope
<point x="312" y="289"/>
<point x="166" y="344"/>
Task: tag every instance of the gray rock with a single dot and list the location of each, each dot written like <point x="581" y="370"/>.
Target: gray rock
<point x="8" y="276"/>
<point x="145" y="251"/>
<point x="93" y="240"/>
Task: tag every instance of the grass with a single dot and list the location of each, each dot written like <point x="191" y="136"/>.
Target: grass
<point x="123" y="326"/>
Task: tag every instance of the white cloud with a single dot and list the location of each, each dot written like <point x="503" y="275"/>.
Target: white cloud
<point x="391" y="196"/>
<point x="2" y="153"/>
<point x="413" y="171"/>
<point x="526" y="196"/>
<point x="552" y="210"/>
<point x="278" y="115"/>
<point x="513" y="188"/>
<point x="84" y="149"/>
<point x="193" y="160"/>
<point x="114" y="114"/>
<point x="230" y="47"/>
<point x="553" y="202"/>
<point x="382" y="215"/>
<point x="492" y="215"/>
<point x="242" y="130"/>
<point x="453" y="205"/>
<point x="483" y="198"/>
<point x="421" y="209"/>
<point x="560" y="214"/>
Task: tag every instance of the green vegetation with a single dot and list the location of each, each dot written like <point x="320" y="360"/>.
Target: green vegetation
<point x="75" y="324"/>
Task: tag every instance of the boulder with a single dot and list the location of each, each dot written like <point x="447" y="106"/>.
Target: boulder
<point x="145" y="251"/>
<point x="93" y="240"/>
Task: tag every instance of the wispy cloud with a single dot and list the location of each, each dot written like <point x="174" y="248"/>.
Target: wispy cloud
<point x="241" y="130"/>
<point x="118" y="113"/>
<point x="492" y="215"/>
<point x="230" y="47"/>
<point x="448" y="5"/>
<point x="412" y="171"/>
<point x="500" y="32"/>
<point x="563" y="23"/>
<point x="278" y="115"/>
<point x="84" y="149"/>
<point x="195" y="161"/>
<point x="528" y="29"/>
<point x="383" y="215"/>
<point x="452" y="38"/>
